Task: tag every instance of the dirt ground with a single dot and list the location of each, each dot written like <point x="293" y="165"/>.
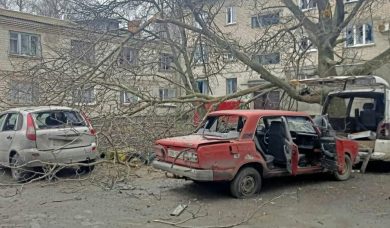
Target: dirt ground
<point x="146" y="195"/>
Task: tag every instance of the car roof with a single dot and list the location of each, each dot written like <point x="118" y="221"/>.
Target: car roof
<point x="258" y="112"/>
<point x="38" y="108"/>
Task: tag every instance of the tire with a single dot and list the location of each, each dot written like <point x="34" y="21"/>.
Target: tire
<point x="86" y="169"/>
<point x="20" y="174"/>
<point x="346" y="174"/>
<point x="246" y="183"/>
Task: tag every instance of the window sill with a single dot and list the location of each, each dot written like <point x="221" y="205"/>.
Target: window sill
<point x="230" y="24"/>
<point x="167" y="105"/>
<point x="361" y="45"/>
<point x="309" y="9"/>
<point x="309" y="51"/>
<point x="24" y="56"/>
<point x="86" y="104"/>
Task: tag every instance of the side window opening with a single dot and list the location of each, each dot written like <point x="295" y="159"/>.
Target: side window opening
<point x="11" y="122"/>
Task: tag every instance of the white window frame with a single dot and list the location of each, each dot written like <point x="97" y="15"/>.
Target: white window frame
<point x="312" y="48"/>
<point x="259" y="56"/>
<point x="165" y="62"/>
<point x="123" y="61"/>
<point x="205" y="86"/>
<point x="231" y="15"/>
<point x="301" y="4"/>
<point x="85" y="103"/>
<point x="262" y="25"/>
<point x="201" y="54"/>
<point x="228" y="89"/>
<point x="19" y="44"/>
<point x="355" y="36"/>
<point x="229" y="57"/>
<point x="350" y="1"/>
<point x="124" y="94"/>
<point x="165" y="91"/>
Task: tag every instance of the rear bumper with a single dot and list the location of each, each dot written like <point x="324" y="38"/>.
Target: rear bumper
<point x="193" y="174"/>
<point x="34" y="157"/>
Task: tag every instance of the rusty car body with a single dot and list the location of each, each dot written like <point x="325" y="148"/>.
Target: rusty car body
<point x="244" y="146"/>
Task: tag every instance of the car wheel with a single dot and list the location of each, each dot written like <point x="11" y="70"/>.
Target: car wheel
<point x="346" y="173"/>
<point x="86" y="169"/>
<point x="21" y="174"/>
<point x="246" y="183"/>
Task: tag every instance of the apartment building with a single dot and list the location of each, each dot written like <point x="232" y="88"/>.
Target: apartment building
<point x="250" y="24"/>
<point x="48" y="61"/>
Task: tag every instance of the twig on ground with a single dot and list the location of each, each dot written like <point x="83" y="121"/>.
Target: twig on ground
<point x="247" y="219"/>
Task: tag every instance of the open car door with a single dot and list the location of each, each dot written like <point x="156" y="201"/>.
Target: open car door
<point x="290" y="150"/>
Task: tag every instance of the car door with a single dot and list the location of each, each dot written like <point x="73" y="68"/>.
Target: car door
<point x="8" y="124"/>
<point x="290" y="150"/>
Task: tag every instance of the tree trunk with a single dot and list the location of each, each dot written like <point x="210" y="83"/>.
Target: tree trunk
<point x="326" y="62"/>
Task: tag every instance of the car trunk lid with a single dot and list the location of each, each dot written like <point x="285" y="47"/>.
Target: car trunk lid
<point x="61" y="129"/>
<point x="190" y="141"/>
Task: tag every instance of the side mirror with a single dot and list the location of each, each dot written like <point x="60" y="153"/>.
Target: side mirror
<point x="323" y="124"/>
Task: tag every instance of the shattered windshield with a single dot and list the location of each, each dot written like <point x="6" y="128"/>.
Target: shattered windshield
<point x="300" y="124"/>
<point x="224" y="126"/>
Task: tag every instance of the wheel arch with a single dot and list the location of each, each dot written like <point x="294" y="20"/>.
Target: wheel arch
<point x="11" y="154"/>
<point x="256" y="165"/>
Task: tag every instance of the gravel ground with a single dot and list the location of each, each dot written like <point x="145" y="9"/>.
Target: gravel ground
<point x="146" y="195"/>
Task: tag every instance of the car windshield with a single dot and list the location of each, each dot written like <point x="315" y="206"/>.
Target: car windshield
<point x="58" y="119"/>
<point x="223" y="126"/>
<point x="300" y="124"/>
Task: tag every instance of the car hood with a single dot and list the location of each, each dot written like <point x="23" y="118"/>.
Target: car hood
<point x="190" y="141"/>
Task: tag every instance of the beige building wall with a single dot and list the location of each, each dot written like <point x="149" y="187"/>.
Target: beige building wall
<point x="244" y="34"/>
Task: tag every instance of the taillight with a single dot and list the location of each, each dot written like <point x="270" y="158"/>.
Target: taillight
<point x="31" y="132"/>
<point x="92" y="131"/>
<point x="383" y="131"/>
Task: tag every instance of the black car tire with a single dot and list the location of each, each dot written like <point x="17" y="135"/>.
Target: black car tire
<point x="246" y="183"/>
<point x="346" y="174"/>
<point x="21" y="174"/>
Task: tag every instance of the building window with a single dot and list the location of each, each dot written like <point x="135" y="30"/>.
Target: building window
<point x="167" y="93"/>
<point x="25" y="44"/>
<point x="231" y="15"/>
<point x="201" y="54"/>
<point x="85" y="95"/>
<point x="357" y="35"/>
<point x="127" y="56"/>
<point x="305" y="44"/>
<point x="265" y="20"/>
<point x="128" y="98"/>
<point x="166" y="62"/>
<point x="231" y="86"/>
<point x="229" y="57"/>
<point x="308" y="4"/>
<point x="82" y="50"/>
<point x="269" y="100"/>
<point x="271" y="58"/>
<point x="23" y="92"/>
<point x="203" y="86"/>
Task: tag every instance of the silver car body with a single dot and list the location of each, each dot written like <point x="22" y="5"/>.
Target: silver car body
<point x="358" y="85"/>
<point x="60" y="143"/>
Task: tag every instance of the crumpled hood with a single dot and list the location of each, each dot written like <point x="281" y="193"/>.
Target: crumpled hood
<point x="189" y="141"/>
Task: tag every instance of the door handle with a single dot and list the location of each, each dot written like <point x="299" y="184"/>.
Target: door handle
<point x="9" y="137"/>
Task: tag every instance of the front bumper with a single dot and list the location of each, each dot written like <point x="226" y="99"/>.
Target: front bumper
<point x="193" y="174"/>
